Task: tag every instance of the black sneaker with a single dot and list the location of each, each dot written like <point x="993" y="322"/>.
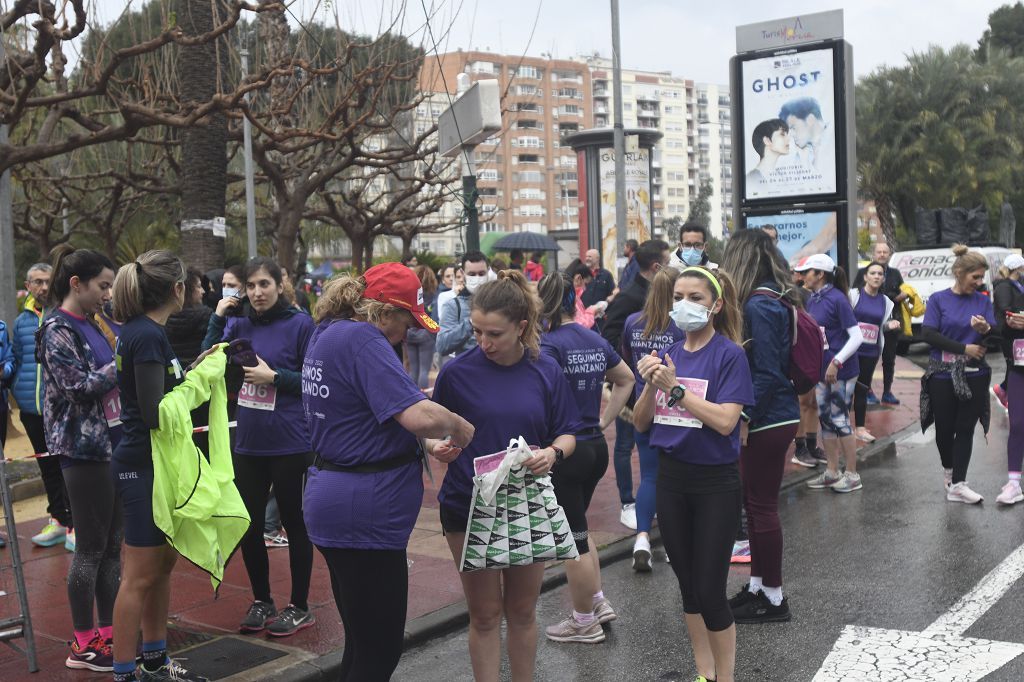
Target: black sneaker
<point x="802" y="456"/>
<point x="172" y="671"/>
<point x="760" y="610"/>
<point x="291" y="620"/>
<point x="260" y="615"/>
<point x="742" y="597"/>
<point x="819" y="455"/>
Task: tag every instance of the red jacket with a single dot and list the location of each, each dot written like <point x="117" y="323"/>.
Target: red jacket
<point x="533" y="271"/>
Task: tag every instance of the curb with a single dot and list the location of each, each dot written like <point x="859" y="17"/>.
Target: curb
<point x="454" y="616"/>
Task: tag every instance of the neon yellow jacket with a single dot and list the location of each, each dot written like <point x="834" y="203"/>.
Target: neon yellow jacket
<point x="195" y="502"/>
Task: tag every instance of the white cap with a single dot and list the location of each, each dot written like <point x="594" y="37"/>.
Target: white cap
<point x="819" y="261"/>
<point x="1014" y="261"/>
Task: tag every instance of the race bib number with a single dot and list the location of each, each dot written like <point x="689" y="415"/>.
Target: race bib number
<point x="1018" y="352"/>
<point x="949" y="357"/>
<point x="262" y="397"/>
<point x="676" y="415"/>
<point x="112" y="407"/>
<point x="869" y="332"/>
<point x="824" y="338"/>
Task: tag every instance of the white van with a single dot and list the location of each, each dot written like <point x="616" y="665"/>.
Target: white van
<point x="930" y="269"/>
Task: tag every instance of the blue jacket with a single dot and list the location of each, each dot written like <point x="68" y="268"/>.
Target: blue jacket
<point x="768" y="336"/>
<point x="456" y="335"/>
<point x="28" y="380"/>
<point x="7" y="365"/>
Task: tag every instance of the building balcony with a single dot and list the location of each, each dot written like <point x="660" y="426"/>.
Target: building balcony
<point x="648" y="97"/>
<point x="601" y="93"/>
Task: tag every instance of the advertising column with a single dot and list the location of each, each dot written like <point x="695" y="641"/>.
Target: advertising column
<point x="638" y="201"/>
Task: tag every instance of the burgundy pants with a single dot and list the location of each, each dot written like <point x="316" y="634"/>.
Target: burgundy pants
<point x="762" y="463"/>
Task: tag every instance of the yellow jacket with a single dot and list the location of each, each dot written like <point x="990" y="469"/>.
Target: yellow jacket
<point x="195" y="502"/>
<point x="912" y="307"/>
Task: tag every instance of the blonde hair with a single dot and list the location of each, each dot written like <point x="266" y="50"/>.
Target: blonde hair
<point x="729" y="320"/>
<point x="967" y="261"/>
<point x="512" y="296"/>
<point x="342" y="299"/>
<point x="146" y="283"/>
<point x="428" y="280"/>
<point x="656" y="313"/>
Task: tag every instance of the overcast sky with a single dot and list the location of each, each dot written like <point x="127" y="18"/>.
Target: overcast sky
<point x="692" y="39"/>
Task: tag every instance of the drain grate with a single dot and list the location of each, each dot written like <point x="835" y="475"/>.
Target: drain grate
<point x="225" y="656"/>
<point x="178" y="639"/>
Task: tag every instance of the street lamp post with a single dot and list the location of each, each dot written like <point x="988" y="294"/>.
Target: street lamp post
<point x="250" y="189"/>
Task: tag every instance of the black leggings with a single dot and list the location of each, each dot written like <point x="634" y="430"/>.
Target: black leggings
<point x="699" y="512"/>
<point x="575" y="480"/>
<point x="860" y="392"/>
<point x="57" y="505"/>
<point x="254" y="474"/>
<point x="955" y="420"/>
<point x="95" y="572"/>
<point x="371" y="590"/>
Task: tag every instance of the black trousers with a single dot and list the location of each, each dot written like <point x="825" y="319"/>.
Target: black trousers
<point x="955" y="420"/>
<point x="58" y="505"/>
<point x="889" y="359"/>
<point x="575" y="479"/>
<point x="254" y="474"/>
<point x="371" y="590"/>
<point x="860" y="392"/>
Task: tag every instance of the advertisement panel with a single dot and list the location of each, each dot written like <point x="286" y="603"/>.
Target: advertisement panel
<point x="638" y="201"/>
<point x="789" y="125"/>
<point x="801" y="233"/>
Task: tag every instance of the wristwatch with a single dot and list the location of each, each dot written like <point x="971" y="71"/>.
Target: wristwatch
<point x="676" y="394"/>
<point x="559" y="454"/>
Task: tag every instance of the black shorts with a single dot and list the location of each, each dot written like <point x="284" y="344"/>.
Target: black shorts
<point x="454" y="520"/>
<point x="134" y="484"/>
<point x="575" y="479"/>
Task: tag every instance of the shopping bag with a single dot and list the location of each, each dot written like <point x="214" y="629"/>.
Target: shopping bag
<point x="515" y="519"/>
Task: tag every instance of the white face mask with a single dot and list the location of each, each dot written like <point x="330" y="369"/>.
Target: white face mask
<point x="690" y="316"/>
<point x="228" y="292"/>
<point x="474" y="281"/>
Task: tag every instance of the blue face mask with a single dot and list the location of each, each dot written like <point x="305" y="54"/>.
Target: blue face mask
<point x="692" y="256"/>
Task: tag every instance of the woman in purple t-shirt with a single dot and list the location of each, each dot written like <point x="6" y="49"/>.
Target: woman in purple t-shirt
<point x="873" y="311"/>
<point x="587" y="360"/>
<point x="955" y="385"/>
<point x="691" y="403"/>
<point x="829" y="304"/>
<point x="506" y="387"/>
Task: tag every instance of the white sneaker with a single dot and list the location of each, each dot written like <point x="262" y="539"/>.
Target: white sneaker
<point x="865" y="435"/>
<point x="959" y="492"/>
<point x="1011" y="493"/>
<point x="642" y="554"/>
<point x="627" y="517"/>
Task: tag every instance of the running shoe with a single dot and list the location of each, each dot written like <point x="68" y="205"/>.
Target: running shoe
<point x="802" y="456"/>
<point x="603" y="611"/>
<point x="570" y="631"/>
<point x="95" y="656"/>
<point x="742" y="597"/>
<point x="761" y="610"/>
<point x="1011" y="493"/>
<point x="847" y="483"/>
<point x="275" y="539"/>
<point x="172" y="671"/>
<point x="889" y="399"/>
<point x="865" y="435"/>
<point x="872" y="398"/>
<point x="642" y="555"/>
<point x="291" y="620"/>
<point x="259" y="616"/>
<point x="69" y="540"/>
<point x="740" y="552"/>
<point x="1000" y="393"/>
<point x="819" y="455"/>
<point x="826" y="479"/>
<point x="627" y="517"/>
<point x="52" y="534"/>
<point x="959" y="492"/>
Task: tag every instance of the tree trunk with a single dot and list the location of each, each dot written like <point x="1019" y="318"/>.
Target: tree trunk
<point x="288" y="223"/>
<point x="359" y="247"/>
<point x="407" y="244"/>
<point x="884" y="209"/>
<point x="203" y="147"/>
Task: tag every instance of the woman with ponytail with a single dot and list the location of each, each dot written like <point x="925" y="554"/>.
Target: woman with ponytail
<point x="587" y="361"/>
<point x="82" y="424"/>
<point x="506" y="388"/>
<point x="691" y="404"/>
<point x="147" y="291"/>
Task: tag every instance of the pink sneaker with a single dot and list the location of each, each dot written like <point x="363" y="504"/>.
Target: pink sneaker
<point x="1011" y="493"/>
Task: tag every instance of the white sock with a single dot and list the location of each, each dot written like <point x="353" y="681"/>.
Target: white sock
<point x="598" y="596"/>
<point x="583" y="618"/>
<point x="774" y="594"/>
<point x="755" y="585"/>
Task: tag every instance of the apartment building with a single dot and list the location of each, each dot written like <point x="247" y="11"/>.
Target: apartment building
<point x="714" y="151"/>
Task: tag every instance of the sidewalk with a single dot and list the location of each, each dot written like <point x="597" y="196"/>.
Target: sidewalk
<point x="204" y="629"/>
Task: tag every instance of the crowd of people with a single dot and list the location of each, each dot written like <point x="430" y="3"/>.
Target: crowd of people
<point x="701" y="367"/>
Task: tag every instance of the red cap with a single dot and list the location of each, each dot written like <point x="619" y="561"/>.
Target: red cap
<point x="396" y="284"/>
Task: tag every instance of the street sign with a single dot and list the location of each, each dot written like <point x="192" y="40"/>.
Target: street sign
<point x="940" y="652"/>
<point x="471" y="119"/>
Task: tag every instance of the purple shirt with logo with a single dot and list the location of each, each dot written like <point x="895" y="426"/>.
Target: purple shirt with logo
<point x="870" y="310"/>
<point x="635" y="345"/>
<point x="951" y="313"/>
<point x="353" y="385"/>
<point x="834" y="313"/>
<point x="584" y="357"/>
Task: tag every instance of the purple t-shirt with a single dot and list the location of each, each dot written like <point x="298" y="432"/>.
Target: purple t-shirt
<point x="951" y="313"/>
<point x="635" y="345"/>
<point x="353" y="385"/>
<point x="721" y="372"/>
<point x="271" y="421"/>
<point x="584" y="357"/>
<point x="870" y="314"/>
<point x="530" y="399"/>
<point x="835" y="315"/>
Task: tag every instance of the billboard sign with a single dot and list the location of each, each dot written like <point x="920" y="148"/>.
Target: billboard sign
<point x="801" y="232"/>
<point x="791" y="31"/>
<point x="638" y="201"/>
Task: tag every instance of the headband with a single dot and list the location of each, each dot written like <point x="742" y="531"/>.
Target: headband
<point x="707" y="275"/>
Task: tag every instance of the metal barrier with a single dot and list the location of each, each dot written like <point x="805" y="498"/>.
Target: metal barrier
<point x="19" y="626"/>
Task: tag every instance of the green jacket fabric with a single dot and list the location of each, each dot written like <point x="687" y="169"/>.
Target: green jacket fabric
<point x="195" y="502"/>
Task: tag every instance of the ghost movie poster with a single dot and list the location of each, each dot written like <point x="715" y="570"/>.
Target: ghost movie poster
<point x="789" y="125"/>
<point x="801" y="234"/>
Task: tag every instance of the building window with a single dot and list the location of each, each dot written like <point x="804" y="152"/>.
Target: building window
<point x="527" y="72"/>
<point x="526" y="89"/>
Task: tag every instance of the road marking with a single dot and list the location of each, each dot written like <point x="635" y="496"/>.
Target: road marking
<point x="938" y="654"/>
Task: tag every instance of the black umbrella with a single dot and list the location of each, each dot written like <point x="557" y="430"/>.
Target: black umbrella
<point x="526" y="241"/>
